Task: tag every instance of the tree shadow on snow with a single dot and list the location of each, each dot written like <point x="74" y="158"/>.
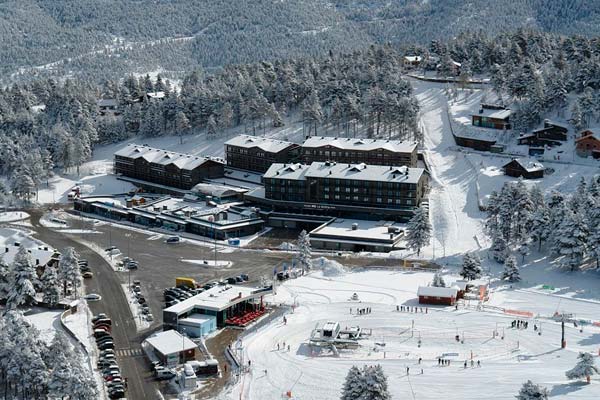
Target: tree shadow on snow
<point x="566" y="388"/>
<point x="590" y="341"/>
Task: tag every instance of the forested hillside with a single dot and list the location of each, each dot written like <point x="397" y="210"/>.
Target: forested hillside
<point x="48" y="124"/>
<point x="108" y="38"/>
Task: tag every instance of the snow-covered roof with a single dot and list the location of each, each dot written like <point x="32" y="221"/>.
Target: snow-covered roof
<point x="163" y="157"/>
<point x="496" y="114"/>
<point x="170" y="342"/>
<point x="363" y="172"/>
<point x="156" y="95"/>
<point x="107" y="103"/>
<point x="432" y="291"/>
<point x="363" y="230"/>
<point x="41" y="253"/>
<point x="413" y="58"/>
<point x="266" y="144"/>
<point x="332" y="170"/>
<point x="529" y="165"/>
<point x="218" y="191"/>
<point x="197" y="318"/>
<point x="360" y="144"/>
<point x="217" y="298"/>
<point x="587" y="133"/>
<point x="287" y="171"/>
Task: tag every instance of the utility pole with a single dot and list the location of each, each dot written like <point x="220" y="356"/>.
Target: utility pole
<point x="563" y="343"/>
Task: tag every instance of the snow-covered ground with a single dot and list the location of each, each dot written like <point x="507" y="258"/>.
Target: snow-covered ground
<point x="46" y="321"/>
<point x="456" y="173"/>
<point x="507" y="360"/>
<point x="13" y="216"/>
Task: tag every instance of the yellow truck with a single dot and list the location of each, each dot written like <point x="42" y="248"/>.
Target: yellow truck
<point x="189" y="282"/>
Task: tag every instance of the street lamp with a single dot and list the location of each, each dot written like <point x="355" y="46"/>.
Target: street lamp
<point x="128" y="236"/>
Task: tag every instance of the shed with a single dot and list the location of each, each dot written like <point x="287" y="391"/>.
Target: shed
<point x="172" y="348"/>
<point x="524" y="168"/>
<point x="437" y="295"/>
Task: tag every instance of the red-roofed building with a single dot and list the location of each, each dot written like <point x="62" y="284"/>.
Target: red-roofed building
<point x="588" y="144"/>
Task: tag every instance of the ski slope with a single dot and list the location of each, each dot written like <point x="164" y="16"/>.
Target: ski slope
<point x="505" y="362"/>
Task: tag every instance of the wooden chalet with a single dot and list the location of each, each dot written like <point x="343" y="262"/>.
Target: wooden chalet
<point x="437" y="295"/>
<point x="524" y="168"/>
<point x="588" y="144"/>
<point x="552" y="134"/>
<point x="492" y="116"/>
<point x="411" y="62"/>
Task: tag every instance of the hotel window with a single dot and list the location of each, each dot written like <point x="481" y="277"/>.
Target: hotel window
<point x="379" y="200"/>
<point x="355" y="198"/>
<point x="337" y="197"/>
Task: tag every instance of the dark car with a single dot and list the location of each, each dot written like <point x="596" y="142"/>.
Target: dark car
<point x="231" y="281"/>
<point x="141" y="300"/>
<point x="245" y="277"/>
<point x="106" y="321"/>
<point x="99" y="316"/>
<point x="106" y="345"/>
<point x="239" y="279"/>
<point x="116" y="394"/>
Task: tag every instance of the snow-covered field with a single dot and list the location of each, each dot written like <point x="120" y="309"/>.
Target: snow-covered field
<point x="505" y="362"/>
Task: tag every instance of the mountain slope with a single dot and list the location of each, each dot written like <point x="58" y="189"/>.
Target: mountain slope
<point x="106" y="38"/>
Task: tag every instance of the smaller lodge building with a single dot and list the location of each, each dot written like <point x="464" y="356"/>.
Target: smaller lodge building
<point x="524" y="168"/>
<point x="446" y="296"/>
<point x="172" y="348"/>
<point x="588" y="144"/>
<point x="492" y="116"/>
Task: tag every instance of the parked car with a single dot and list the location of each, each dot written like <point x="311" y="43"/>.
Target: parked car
<point x="245" y="277"/>
<point x="99" y="316"/>
<point x="231" y="281"/>
<point x="116" y="394"/>
<point x="173" y="239"/>
<point x="141" y="300"/>
<point x="98" y="333"/>
<point x="92" y="297"/>
<point x="84" y="269"/>
<point x="82" y="262"/>
<point x="149" y="318"/>
<point x="102" y="321"/>
<point x="110" y="248"/>
<point x="87" y="275"/>
<point x="101" y="327"/>
<point x="106" y="345"/>
<point x="239" y="279"/>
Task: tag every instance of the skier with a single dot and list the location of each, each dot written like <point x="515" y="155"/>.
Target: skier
<point x="465" y="364"/>
<point x="277" y="346"/>
<point x="420" y="360"/>
<point x="472" y="363"/>
<point x="478" y="363"/>
<point x="288" y="348"/>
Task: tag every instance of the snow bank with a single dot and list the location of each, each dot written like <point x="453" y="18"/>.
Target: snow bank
<point x="287" y="246"/>
<point x="329" y="267"/>
<point x="12" y="216"/>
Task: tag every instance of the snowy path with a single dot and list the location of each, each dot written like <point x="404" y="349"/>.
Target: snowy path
<point x="456" y="218"/>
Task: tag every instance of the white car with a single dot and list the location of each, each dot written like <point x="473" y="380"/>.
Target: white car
<point x="92" y="297"/>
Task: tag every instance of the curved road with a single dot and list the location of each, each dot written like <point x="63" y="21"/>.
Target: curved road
<point x="114" y="304"/>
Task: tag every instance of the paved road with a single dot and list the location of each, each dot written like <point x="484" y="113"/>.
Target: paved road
<point x="107" y="283"/>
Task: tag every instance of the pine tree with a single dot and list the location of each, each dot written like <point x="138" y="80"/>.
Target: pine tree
<point x="50" y="286"/>
<point x="23" y="274"/>
<point x="68" y="270"/>
<point x="438" y="280"/>
<point x="4" y="279"/>
<point x="571" y="240"/>
<point x="304" y="251"/>
<point x="540" y="225"/>
<point x="471" y="267"/>
<point x="511" y="270"/>
<point x="376" y="387"/>
<point x="584" y="368"/>
<point x="182" y="125"/>
<point x="531" y="391"/>
<point x="354" y="384"/>
<point x="419" y="230"/>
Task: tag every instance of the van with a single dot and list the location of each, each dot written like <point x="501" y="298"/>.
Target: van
<point x="163" y="373"/>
